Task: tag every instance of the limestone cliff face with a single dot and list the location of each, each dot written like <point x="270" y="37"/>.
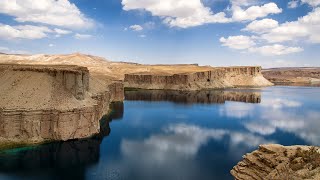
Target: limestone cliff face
<point x="215" y="78"/>
<point x="75" y="79"/>
<point x="64" y="110"/>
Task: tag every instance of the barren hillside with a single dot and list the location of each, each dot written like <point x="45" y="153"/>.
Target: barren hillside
<point x="293" y="76"/>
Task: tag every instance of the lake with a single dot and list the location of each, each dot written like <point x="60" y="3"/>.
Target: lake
<point x="176" y="135"/>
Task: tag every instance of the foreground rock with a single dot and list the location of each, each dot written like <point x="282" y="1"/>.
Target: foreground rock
<point x="276" y="162"/>
<point x="45" y="103"/>
<point x="293" y="76"/>
<point x="215" y="78"/>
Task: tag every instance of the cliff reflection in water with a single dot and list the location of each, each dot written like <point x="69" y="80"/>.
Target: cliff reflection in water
<point x="59" y="159"/>
<point x="190" y="97"/>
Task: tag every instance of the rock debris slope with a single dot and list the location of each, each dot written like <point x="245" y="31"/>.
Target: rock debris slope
<point x="276" y="162"/>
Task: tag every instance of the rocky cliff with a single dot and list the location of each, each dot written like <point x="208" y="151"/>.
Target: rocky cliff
<point x="210" y="79"/>
<point x="45" y="103"/>
<point x="276" y="162"/>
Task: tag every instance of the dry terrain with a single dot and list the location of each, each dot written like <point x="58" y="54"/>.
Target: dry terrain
<point x="276" y="162"/>
<point x="293" y="76"/>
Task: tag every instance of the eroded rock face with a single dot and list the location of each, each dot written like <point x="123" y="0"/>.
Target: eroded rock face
<point x="215" y="78"/>
<point x="277" y="162"/>
<point x="50" y="103"/>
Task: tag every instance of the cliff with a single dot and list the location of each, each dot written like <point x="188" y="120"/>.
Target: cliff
<point x="279" y="162"/>
<point x="226" y="77"/>
<point x="45" y="103"/>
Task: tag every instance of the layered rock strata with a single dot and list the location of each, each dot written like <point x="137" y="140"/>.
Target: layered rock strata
<point x="277" y="162"/>
<point x="226" y="77"/>
<point x="46" y="103"/>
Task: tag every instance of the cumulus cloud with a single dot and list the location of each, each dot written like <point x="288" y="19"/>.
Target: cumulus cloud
<point x="254" y="12"/>
<point x="275" y="49"/>
<point x="243" y="2"/>
<point x="306" y="27"/>
<point x="53" y="12"/>
<point x="293" y="4"/>
<point x="82" y="36"/>
<point x="178" y="13"/>
<point x="62" y="31"/>
<point x="136" y="27"/>
<point x="237" y="42"/>
<point x="313" y="3"/>
<point x="23" y="32"/>
<point x="261" y="26"/>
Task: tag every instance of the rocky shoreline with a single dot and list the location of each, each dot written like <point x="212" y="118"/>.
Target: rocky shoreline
<point x="277" y="162"/>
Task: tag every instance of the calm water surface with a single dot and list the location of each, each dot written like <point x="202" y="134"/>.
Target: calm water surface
<point x="171" y="135"/>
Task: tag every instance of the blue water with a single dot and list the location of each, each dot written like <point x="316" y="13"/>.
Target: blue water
<point x="176" y="136"/>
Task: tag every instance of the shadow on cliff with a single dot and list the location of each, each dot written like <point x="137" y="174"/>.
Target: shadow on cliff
<point x="58" y="160"/>
<point x="192" y="97"/>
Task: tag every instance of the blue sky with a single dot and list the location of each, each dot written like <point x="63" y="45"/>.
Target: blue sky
<point x="209" y="32"/>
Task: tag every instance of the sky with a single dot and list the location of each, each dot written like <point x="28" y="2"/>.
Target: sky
<point x="277" y="33"/>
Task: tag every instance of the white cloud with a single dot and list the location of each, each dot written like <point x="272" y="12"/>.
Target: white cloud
<point x="313" y="3"/>
<point x="136" y="27"/>
<point x="82" y="36"/>
<point x="275" y="49"/>
<point x="23" y="32"/>
<point x="54" y="12"/>
<point x="177" y="13"/>
<point x="237" y="42"/>
<point x="243" y="2"/>
<point x="254" y="12"/>
<point x="142" y="36"/>
<point x="293" y="4"/>
<point x="261" y="26"/>
<point x="62" y="31"/>
<point x="51" y="45"/>
<point x="306" y="27"/>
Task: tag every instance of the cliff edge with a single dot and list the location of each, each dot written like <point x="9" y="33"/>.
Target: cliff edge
<point x="215" y="78"/>
<point x="58" y="102"/>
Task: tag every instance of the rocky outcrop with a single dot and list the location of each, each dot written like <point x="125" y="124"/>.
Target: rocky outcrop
<point x="64" y="110"/>
<point x="277" y="162"/>
<point x="72" y="156"/>
<point x="191" y="97"/>
<point x="212" y="79"/>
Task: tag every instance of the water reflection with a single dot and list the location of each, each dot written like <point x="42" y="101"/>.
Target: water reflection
<point x="60" y="159"/>
<point x="190" y="97"/>
<point x="159" y="137"/>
